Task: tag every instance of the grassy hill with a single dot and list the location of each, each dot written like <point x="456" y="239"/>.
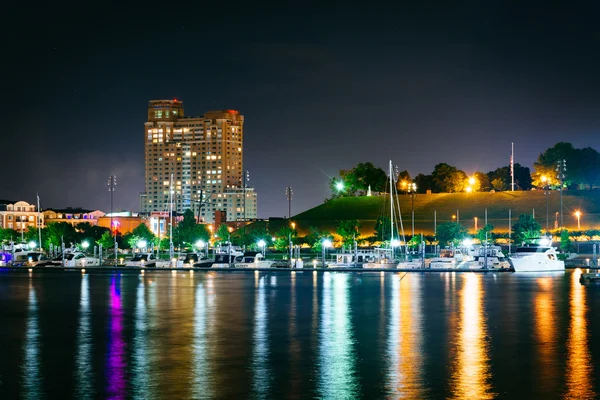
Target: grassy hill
<point x="469" y="206"/>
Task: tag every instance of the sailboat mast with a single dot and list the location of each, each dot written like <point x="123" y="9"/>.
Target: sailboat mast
<point x="171" y="218"/>
<point x="391" y="208"/>
<point x="39" y="222"/>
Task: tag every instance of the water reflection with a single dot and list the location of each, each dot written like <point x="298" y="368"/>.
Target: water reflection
<point x="140" y="377"/>
<point x="579" y="364"/>
<point x="201" y="385"/>
<point x="115" y="364"/>
<point x="472" y="372"/>
<point x="84" y="376"/>
<point x="405" y="339"/>
<point x="337" y="355"/>
<point x="261" y="379"/>
<point x="544" y="311"/>
<point x="32" y="380"/>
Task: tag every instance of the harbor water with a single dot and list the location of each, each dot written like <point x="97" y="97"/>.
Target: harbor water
<point x="295" y="334"/>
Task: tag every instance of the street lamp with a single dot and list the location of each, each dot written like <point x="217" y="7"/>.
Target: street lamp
<point x="545" y="183"/>
<point x="261" y="244"/>
<point x="85" y="246"/>
<point x="31" y="244"/>
<point x="326" y="243"/>
<point x="142" y="244"/>
<point x="412" y="188"/>
<point x="578" y="215"/>
<point x="200" y="245"/>
<point x="290" y="242"/>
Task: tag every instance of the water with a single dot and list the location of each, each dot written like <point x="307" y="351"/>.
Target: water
<point x="298" y="335"/>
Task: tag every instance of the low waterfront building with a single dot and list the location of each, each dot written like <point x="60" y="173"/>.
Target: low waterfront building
<point x="123" y="222"/>
<point x="19" y="215"/>
<point x="72" y="215"/>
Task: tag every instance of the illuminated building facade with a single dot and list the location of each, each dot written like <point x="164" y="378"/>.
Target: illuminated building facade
<point x="19" y="215"/>
<point x="205" y="157"/>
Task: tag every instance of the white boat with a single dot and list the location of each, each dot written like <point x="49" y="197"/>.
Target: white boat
<point x="489" y="258"/>
<point x="536" y="258"/>
<point x="353" y="259"/>
<point x="147" y="260"/>
<point x="449" y="259"/>
<point x="253" y="259"/>
<point x="78" y="259"/>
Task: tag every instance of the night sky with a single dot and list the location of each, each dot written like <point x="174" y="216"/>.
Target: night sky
<point x="321" y="87"/>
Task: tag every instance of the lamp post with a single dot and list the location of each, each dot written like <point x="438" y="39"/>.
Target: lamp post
<point x="200" y="245"/>
<point x="85" y="246"/>
<point x="261" y="244"/>
<point x="142" y="244"/>
<point x="229" y="230"/>
<point x="326" y="243"/>
<point x="290" y="242"/>
<point x="546" y="194"/>
<point x="578" y="215"/>
<point x="112" y="182"/>
<point x="412" y="188"/>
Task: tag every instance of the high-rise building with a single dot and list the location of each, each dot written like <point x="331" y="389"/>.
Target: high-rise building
<point x="204" y="158"/>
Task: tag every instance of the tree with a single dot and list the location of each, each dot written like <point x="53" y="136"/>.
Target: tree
<point x="382" y="229"/>
<point x="403" y="181"/>
<point x="283" y="238"/>
<point x="348" y="231"/>
<point x="483" y="181"/>
<point x="448" y="179"/>
<point x="424" y="183"/>
<point x="357" y="180"/>
<point x="499" y="184"/>
<point x="565" y="241"/>
<point x="223" y="233"/>
<point x="57" y="231"/>
<point x="107" y="241"/>
<point x="586" y="168"/>
<point x="450" y="232"/>
<point x="545" y="165"/>
<point x="6" y="235"/>
<point x="526" y="230"/>
<point x="481" y="234"/>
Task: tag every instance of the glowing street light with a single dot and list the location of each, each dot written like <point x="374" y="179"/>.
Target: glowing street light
<point x="85" y="245"/>
<point x="472" y="181"/>
<point x="469" y="189"/>
<point x="261" y="244"/>
<point x="31" y="244"/>
<point x="578" y="215"/>
<point x="326" y="243"/>
<point x="339" y="186"/>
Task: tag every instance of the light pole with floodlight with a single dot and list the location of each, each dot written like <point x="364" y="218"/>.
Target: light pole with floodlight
<point x="578" y="215"/>
<point x="325" y="244"/>
<point x="261" y="244"/>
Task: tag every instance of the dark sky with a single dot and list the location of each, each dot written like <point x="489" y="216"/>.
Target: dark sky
<point x="322" y="87"/>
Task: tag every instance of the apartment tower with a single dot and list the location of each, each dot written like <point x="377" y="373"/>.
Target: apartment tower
<point x="204" y="156"/>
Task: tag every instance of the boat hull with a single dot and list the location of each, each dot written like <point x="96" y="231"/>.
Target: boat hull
<point x="527" y="264"/>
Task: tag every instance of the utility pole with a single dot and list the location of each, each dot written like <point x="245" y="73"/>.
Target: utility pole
<point x="288" y="194"/>
<point x="561" y="169"/>
<point x="112" y="182"/>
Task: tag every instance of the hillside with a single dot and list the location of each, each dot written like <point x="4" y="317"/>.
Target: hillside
<point x="469" y="206"/>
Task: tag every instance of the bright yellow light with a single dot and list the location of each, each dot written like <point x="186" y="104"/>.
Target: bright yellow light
<point x="293" y="225"/>
<point x="469" y="189"/>
<point x="471" y="181"/>
<point x="544" y="178"/>
<point x="578" y="213"/>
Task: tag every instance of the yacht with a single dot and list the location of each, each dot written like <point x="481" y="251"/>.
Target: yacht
<point x="147" y="260"/>
<point x="253" y="259"/>
<point x="353" y="259"/>
<point x="489" y="258"/>
<point x="78" y="259"/>
<point x="449" y="259"/>
<point x="536" y="258"/>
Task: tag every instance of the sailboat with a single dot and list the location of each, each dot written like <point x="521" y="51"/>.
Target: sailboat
<point x="386" y="257"/>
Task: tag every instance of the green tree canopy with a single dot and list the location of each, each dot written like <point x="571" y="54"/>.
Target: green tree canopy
<point x="57" y="230"/>
<point x="500" y="178"/>
<point x="106" y="240"/>
<point x="481" y="234"/>
<point x="446" y="178"/>
<point x="348" y="231"/>
<point x="526" y="230"/>
<point x="450" y="232"/>
<point x="357" y="180"/>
